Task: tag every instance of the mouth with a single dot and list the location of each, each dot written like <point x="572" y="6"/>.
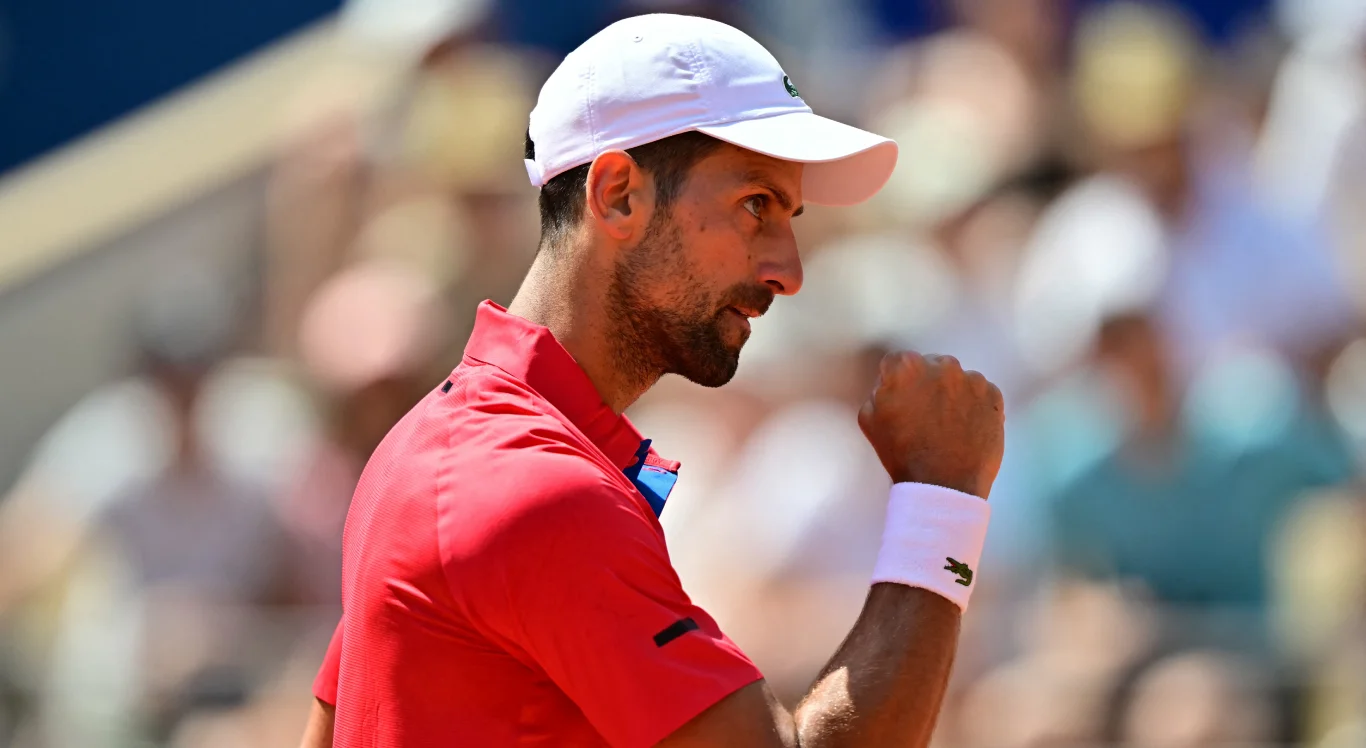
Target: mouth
<point x="743" y="316"/>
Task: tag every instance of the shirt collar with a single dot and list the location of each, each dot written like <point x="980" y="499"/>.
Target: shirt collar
<point x="530" y="353"/>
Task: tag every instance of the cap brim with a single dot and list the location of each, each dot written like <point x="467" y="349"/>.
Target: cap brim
<point x="845" y="165"/>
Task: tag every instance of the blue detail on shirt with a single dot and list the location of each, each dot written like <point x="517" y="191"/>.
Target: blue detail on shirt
<point x="654" y="483"/>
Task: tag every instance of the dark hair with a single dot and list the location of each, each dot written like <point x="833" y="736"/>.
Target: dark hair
<point x="669" y="160"/>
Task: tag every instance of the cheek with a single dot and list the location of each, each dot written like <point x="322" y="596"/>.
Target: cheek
<point x="713" y="263"/>
<point x="664" y="273"/>
<point x="721" y="245"/>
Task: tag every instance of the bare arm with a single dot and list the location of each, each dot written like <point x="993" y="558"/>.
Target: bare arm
<point x="886" y="682"/>
<point x="321" y="720"/>
<point x="930" y="422"/>
<point x="884" y="685"/>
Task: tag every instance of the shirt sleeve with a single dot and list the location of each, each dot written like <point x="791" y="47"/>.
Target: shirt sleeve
<point x="579" y="580"/>
<point x="325" y="684"/>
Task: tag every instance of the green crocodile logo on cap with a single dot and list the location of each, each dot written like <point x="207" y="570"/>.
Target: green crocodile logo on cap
<point x="791" y="89"/>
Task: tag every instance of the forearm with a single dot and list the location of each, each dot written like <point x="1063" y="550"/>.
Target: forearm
<point x="884" y="685"/>
<point x="321" y="721"/>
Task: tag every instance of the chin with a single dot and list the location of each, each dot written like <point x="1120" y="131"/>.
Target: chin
<point x="715" y="372"/>
<point x="711" y="355"/>
<point x="713" y="382"/>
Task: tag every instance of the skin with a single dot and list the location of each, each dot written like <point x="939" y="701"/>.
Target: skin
<point x="637" y="292"/>
<point x="322" y="718"/>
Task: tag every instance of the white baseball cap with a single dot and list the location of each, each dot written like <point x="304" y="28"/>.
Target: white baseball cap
<point x="645" y="78"/>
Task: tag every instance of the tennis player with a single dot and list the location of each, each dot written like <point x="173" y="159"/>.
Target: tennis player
<point x="505" y="578"/>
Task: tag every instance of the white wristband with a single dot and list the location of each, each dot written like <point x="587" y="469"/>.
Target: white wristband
<point x="933" y="540"/>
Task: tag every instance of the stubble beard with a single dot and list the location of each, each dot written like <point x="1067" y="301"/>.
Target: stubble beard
<point x="684" y="335"/>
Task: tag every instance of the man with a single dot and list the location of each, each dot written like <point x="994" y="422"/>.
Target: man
<point x="505" y="578"/>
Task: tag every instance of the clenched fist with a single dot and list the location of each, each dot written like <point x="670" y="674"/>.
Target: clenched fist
<point x="931" y="422"/>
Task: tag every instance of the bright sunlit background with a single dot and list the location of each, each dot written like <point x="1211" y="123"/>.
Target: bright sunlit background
<point x="239" y="238"/>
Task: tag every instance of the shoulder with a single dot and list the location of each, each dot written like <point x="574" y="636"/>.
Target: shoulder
<point x="516" y="475"/>
<point x="548" y="492"/>
<point x="551" y="525"/>
<point x="510" y="446"/>
<point x="492" y="414"/>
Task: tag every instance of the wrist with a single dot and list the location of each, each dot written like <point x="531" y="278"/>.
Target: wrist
<point x="969" y="486"/>
<point x="933" y="540"/>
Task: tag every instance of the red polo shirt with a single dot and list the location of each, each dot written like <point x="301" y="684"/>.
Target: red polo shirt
<point x="504" y="578"/>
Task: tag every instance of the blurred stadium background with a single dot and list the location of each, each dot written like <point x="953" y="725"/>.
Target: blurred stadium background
<point x="239" y="239"/>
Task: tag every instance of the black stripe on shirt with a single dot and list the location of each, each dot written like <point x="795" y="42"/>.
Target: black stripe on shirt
<point x="675" y="630"/>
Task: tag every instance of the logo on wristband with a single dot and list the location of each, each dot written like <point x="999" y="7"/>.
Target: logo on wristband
<point x="961" y="569"/>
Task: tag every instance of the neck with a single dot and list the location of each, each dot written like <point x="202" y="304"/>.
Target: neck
<point x="566" y="292"/>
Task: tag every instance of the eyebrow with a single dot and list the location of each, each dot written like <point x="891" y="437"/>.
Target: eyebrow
<point x="784" y="199"/>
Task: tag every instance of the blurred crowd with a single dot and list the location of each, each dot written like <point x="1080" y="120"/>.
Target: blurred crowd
<point x="1155" y="246"/>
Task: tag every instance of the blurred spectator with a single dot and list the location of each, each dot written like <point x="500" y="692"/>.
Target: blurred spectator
<point x="1076" y="639"/>
<point x="1345" y="394"/>
<point x="202" y="548"/>
<point x="1199" y="699"/>
<point x="141" y="531"/>
<point x="1117" y="520"/>
<point x="246" y="419"/>
<point x="1318" y="94"/>
<point x="434" y="175"/>
<point x="970" y="107"/>
<point x="1188" y="501"/>
<point x="368" y="341"/>
<point x="1319" y="563"/>
<point x="1344" y="65"/>
<point x="1173" y="219"/>
<point x="120" y="435"/>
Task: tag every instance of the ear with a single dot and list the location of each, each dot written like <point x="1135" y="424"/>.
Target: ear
<point x="620" y="195"/>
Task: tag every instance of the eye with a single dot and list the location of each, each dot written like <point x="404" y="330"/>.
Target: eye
<point x="755" y="204"/>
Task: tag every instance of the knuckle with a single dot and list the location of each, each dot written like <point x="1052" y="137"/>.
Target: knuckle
<point x="980" y="385"/>
<point x="997" y="400"/>
<point x="948" y="363"/>
<point x="868" y="418"/>
<point x="890" y="363"/>
<point x="944" y="368"/>
<point x="866" y="411"/>
<point x="900" y="363"/>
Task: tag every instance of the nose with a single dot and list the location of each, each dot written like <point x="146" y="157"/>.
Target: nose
<point x="781" y="268"/>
